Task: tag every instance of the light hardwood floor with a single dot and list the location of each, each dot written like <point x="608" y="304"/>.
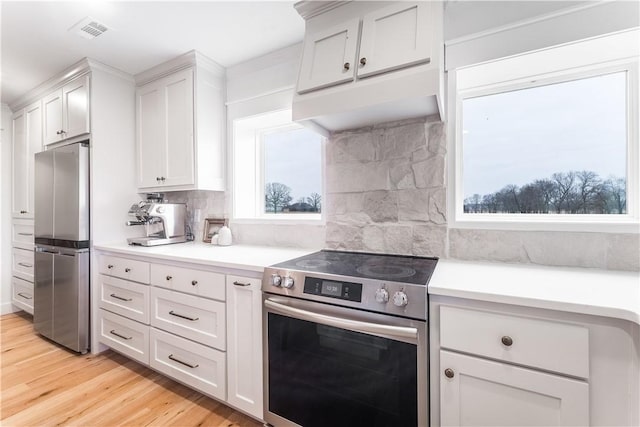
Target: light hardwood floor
<point x="42" y="384"/>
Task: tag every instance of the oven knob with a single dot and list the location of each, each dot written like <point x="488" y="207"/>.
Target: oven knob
<point x="382" y="295"/>
<point x="288" y="282"/>
<point x="400" y="299"/>
<point x="276" y="280"/>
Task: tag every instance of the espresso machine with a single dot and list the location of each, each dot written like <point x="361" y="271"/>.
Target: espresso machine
<point x="164" y="222"/>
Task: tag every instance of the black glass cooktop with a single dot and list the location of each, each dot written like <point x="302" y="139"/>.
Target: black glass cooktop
<point x="396" y="268"/>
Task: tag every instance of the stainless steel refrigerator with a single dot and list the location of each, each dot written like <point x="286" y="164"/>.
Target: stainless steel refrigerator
<point x="61" y="293"/>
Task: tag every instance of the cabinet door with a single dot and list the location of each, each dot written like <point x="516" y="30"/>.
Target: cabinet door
<point x="328" y="57"/>
<point x="150" y="134"/>
<point x="179" y="125"/>
<point x="20" y="191"/>
<point x="33" y="118"/>
<point x="75" y="107"/>
<point x="244" y="344"/>
<point x="394" y="37"/>
<point x="52" y="117"/>
<point x="486" y="393"/>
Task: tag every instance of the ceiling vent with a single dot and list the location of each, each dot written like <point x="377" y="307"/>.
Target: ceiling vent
<point x="89" y="28"/>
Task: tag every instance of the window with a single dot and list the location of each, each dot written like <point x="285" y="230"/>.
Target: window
<point x="552" y="147"/>
<point x="277" y="169"/>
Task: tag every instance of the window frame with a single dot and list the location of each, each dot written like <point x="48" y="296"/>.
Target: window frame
<point x="260" y="216"/>
<point x="519" y="80"/>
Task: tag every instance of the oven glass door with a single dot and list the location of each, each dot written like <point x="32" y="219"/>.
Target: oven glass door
<point x="321" y="375"/>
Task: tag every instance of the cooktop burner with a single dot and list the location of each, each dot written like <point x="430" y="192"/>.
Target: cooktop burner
<point x="397" y="268"/>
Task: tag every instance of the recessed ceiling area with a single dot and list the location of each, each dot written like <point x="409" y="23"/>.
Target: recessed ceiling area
<point x="37" y="43"/>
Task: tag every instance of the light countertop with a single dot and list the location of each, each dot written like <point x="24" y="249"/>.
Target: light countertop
<point x="241" y="257"/>
<point x="606" y="293"/>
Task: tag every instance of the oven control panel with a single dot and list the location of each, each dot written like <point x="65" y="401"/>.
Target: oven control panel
<point x="333" y="289"/>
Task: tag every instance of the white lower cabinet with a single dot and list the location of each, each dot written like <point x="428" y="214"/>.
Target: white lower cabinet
<point x="125" y="336"/>
<point x="22" y="294"/>
<point x="480" y="392"/>
<point x="244" y="344"/>
<point x="125" y="298"/>
<point x="200" y="327"/>
<point x="514" y="367"/>
<point x="192" y="317"/>
<point x="191" y="363"/>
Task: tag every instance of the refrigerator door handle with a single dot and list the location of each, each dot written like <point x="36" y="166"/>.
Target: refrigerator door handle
<point x="47" y="251"/>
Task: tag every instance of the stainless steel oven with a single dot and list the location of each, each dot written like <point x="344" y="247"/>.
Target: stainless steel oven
<point x="345" y="340"/>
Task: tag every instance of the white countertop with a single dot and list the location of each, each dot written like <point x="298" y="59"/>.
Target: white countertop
<point x="242" y="257"/>
<point x="607" y="293"/>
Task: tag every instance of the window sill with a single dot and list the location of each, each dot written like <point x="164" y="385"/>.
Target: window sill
<point x="278" y="220"/>
<point x="570" y="223"/>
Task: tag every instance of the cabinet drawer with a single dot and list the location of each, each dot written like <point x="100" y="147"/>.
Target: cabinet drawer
<point x="22" y="233"/>
<point x="124" y="335"/>
<point x="192" y="317"/>
<point x="126" y="298"/>
<point x="193" y="364"/>
<point x="554" y="346"/>
<point x="22" y="294"/>
<point x="198" y="282"/>
<point x="22" y="263"/>
<point x="137" y="271"/>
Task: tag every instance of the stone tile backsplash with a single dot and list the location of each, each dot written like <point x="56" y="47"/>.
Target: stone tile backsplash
<point x="385" y="188"/>
<point x="386" y="192"/>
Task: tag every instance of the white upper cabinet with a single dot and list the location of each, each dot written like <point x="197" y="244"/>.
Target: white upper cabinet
<point x="165" y="131"/>
<point x="394" y="37"/>
<point x="27" y="140"/>
<point x="66" y="111"/>
<point x="180" y="126"/>
<point x="365" y="63"/>
<point x="329" y="57"/>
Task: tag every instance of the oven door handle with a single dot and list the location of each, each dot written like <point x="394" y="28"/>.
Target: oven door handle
<point x="352" y="325"/>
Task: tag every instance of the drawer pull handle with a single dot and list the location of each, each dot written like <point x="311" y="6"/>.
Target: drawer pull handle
<point x="110" y="266"/>
<point x="241" y="284"/>
<point x="194" y="282"/>
<point x="346" y="66"/>
<point x="449" y="373"/>
<point x="182" y="316"/>
<point x="175" y="359"/>
<point x="169" y="278"/>
<point x="363" y="61"/>
<point x="120" y="298"/>
<point x="113" y="332"/>
<point x="25" y="296"/>
<point x="25" y="234"/>
<point x="507" y="340"/>
<point x="126" y="270"/>
<point x="23" y="264"/>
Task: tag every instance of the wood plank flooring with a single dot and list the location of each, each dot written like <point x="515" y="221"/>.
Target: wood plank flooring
<point x="42" y="384"/>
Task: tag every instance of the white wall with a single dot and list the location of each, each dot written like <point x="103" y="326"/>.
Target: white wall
<point x="257" y="86"/>
<point x="5" y="211"/>
<point x="478" y="31"/>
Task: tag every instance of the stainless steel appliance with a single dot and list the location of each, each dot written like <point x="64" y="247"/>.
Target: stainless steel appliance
<point x="61" y="292"/>
<point x="164" y="222"/>
<point x="345" y="340"/>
